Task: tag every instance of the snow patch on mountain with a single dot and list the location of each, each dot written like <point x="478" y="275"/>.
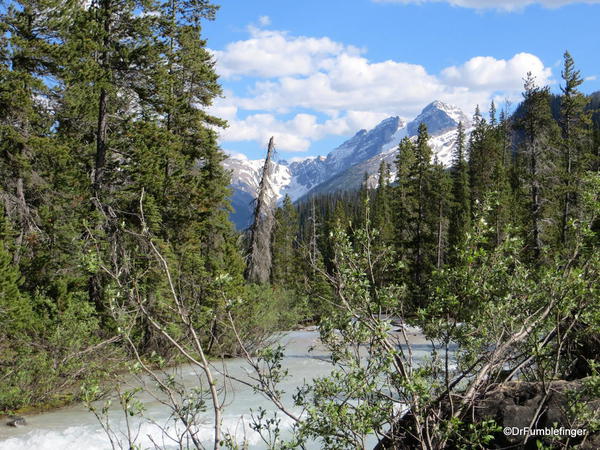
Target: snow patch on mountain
<point x="344" y="167"/>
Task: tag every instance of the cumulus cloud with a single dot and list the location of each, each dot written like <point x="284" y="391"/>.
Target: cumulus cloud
<point x="327" y="88"/>
<point x="485" y="72"/>
<point x="235" y="155"/>
<point x="509" y="5"/>
<point x="297" y="133"/>
<point x="354" y="83"/>
<point x="269" y="53"/>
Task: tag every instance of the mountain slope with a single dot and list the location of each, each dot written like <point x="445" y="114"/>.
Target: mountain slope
<point x="344" y="167"/>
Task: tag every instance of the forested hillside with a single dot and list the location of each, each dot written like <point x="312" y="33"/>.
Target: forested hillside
<point x="109" y="172"/>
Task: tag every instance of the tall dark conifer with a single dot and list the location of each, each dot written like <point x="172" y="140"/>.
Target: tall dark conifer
<point x="460" y="217"/>
<point x="417" y="214"/>
<point x="284" y="246"/>
<point x="382" y="209"/>
<point x="538" y="157"/>
<point x="575" y="143"/>
<point x="441" y="190"/>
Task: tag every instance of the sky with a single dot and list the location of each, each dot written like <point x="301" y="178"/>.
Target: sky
<point x="312" y="73"/>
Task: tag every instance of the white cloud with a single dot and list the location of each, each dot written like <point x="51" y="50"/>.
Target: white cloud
<point x="353" y="83"/>
<point x="271" y="53"/>
<point x="487" y="73"/>
<point x="305" y="76"/>
<point x="296" y="134"/>
<point x="235" y="155"/>
<point x="264" y="21"/>
<point x="508" y="5"/>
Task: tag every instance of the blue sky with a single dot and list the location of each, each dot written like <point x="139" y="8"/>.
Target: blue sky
<point x="312" y="73"/>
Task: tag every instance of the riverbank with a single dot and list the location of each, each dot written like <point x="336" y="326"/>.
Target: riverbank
<point x="74" y="427"/>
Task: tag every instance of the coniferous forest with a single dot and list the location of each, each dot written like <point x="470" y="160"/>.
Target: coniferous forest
<point x="117" y="254"/>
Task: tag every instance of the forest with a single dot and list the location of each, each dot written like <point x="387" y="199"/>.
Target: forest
<point x="117" y="253"/>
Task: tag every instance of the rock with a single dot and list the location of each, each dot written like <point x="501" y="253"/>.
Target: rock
<point x="16" y="421"/>
<point x="513" y="405"/>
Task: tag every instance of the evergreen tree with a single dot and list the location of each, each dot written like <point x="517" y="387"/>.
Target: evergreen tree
<point x="574" y="124"/>
<point x="538" y="161"/>
<point x="493" y="122"/>
<point x="500" y="207"/>
<point x="284" y="270"/>
<point x="404" y="199"/>
<point x="423" y="225"/>
<point x="382" y="208"/>
<point x="25" y="119"/>
<point x="480" y="160"/>
<point x="441" y="189"/>
<point x="460" y="216"/>
<point x="417" y="215"/>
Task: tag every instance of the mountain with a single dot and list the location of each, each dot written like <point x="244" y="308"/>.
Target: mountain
<point x="344" y="167"/>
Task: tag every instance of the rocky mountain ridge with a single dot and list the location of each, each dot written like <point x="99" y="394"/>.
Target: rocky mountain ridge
<point x="343" y="168"/>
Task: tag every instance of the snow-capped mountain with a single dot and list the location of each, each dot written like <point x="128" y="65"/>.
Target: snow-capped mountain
<point x="344" y="167"/>
<point x="439" y="118"/>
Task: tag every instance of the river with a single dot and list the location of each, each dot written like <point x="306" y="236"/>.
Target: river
<point x="75" y="428"/>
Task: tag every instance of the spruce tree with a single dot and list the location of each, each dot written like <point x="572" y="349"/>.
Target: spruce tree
<point x="404" y="199"/>
<point x="423" y="229"/>
<point x="284" y="269"/>
<point x="537" y="157"/>
<point x="460" y="216"/>
<point x="480" y="160"/>
<point x="25" y="118"/>
<point x="441" y="190"/>
<point x="417" y="214"/>
<point x="500" y="202"/>
<point x="382" y="208"/>
<point x="575" y="142"/>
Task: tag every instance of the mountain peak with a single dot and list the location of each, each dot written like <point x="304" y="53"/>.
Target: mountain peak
<point x="439" y="117"/>
<point x="344" y="167"/>
<point x="363" y="144"/>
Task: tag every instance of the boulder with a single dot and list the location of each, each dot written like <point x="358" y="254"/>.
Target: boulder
<point x="513" y="406"/>
<point x="16" y="421"/>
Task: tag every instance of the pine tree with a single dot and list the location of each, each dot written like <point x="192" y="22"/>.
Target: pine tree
<point x="480" y="160"/>
<point x="493" y="122"/>
<point x="382" y="209"/>
<point x="441" y="190"/>
<point x="25" y="119"/>
<point x="538" y="161"/>
<point x="15" y="311"/>
<point x="417" y="215"/>
<point x="575" y="139"/>
<point x="404" y="199"/>
<point x="423" y="229"/>
<point x="284" y="269"/>
<point x="500" y="207"/>
<point x="460" y="216"/>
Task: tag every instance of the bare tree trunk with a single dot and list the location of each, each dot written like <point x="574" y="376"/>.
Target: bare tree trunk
<point x="98" y="181"/>
<point x="259" y="259"/>
<point x="101" y="134"/>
